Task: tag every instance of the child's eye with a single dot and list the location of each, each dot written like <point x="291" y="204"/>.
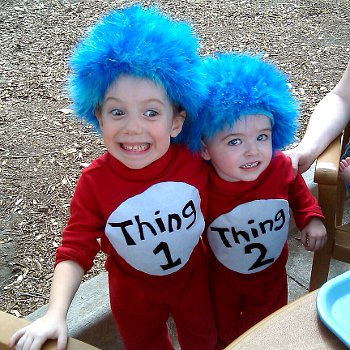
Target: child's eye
<point x="262" y="137"/>
<point x="151" y="113"/>
<point x="235" y="142"/>
<point x="117" y="112"/>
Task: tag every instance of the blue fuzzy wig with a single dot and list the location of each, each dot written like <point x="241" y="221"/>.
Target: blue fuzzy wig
<point x="243" y="84"/>
<point x="144" y="43"/>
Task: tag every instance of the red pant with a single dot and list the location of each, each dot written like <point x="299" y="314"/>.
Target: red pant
<point x="141" y="310"/>
<point x="240" y="303"/>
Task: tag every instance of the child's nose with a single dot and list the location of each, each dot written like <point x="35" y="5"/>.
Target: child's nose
<point x="132" y="124"/>
<point x="252" y="148"/>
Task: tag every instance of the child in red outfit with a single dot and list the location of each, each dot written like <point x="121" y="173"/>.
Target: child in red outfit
<point x="250" y="115"/>
<point x="137" y="76"/>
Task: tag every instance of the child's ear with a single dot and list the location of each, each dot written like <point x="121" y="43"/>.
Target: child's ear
<point x="98" y="116"/>
<point x="204" y="152"/>
<point x="178" y="122"/>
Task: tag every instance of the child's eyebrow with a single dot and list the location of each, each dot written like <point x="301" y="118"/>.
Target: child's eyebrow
<point x="153" y="100"/>
<point x="238" y="134"/>
<point x="231" y="135"/>
<point x="147" y="100"/>
<point x="112" y="98"/>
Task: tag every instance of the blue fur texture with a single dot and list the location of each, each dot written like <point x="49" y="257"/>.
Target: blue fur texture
<point x="242" y="84"/>
<point x="144" y="43"/>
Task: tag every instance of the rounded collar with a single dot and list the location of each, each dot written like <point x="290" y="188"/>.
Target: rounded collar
<point x="149" y="172"/>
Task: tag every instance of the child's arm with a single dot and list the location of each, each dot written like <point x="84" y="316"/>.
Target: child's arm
<point x="66" y="281"/>
<point x="307" y="213"/>
<point x="314" y="235"/>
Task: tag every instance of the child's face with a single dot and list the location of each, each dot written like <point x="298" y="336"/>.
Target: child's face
<point x="243" y="152"/>
<point x="137" y="119"/>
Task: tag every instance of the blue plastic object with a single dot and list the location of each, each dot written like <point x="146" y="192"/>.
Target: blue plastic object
<point x="333" y="306"/>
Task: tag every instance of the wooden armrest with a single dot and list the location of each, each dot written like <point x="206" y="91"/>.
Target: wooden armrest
<point x="10" y="324"/>
<point x="327" y="164"/>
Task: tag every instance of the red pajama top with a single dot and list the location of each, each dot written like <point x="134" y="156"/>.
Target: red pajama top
<point x="148" y="221"/>
<point x="248" y="222"/>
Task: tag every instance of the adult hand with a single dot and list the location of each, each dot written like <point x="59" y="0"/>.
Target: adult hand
<point x="301" y="160"/>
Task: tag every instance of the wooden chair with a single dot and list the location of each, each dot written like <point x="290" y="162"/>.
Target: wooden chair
<point x="331" y="197"/>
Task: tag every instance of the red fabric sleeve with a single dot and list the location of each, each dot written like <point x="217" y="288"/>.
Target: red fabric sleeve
<point x="85" y="226"/>
<point x="303" y="204"/>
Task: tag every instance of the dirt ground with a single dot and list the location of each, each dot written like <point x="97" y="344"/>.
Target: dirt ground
<point x="43" y="148"/>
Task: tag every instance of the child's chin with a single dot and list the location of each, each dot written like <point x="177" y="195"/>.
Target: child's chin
<point x="251" y="177"/>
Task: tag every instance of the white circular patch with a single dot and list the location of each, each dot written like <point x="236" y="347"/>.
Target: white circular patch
<point x="251" y="237"/>
<point x="157" y="230"/>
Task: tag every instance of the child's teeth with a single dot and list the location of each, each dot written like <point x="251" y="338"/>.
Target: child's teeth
<point x="135" y="147"/>
<point x="250" y="165"/>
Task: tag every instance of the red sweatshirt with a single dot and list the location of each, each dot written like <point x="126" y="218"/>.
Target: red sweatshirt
<point x="148" y="221"/>
<point x="248" y="222"/>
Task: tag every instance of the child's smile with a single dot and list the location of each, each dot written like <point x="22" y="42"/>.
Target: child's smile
<point x="135" y="148"/>
<point x="250" y="165"/>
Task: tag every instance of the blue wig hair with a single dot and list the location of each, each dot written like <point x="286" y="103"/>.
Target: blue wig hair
<point x="144" y="43"/>
<point x="244" y="84"/>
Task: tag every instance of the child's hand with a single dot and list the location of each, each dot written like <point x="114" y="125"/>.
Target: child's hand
<point x="314" y="235"/>
<point x="35" y="335"/>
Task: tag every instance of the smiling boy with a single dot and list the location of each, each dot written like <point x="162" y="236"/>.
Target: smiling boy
<point x="248" y="117"/>
<point x="138" y="78"/>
